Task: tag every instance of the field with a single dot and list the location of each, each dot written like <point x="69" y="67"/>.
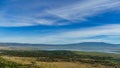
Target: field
<point x="57" y="59"/>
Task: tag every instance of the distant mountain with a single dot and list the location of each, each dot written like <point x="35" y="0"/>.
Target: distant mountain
<point x="94" y="44"/>
<point x="19" y="44"/>
<point x="83" y="43"/>
<point x="85" y="46"/>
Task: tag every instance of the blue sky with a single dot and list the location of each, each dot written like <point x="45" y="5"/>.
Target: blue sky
<point x="59" y="21"/>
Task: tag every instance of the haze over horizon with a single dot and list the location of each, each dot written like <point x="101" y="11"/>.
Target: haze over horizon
<point x="60" y="21"/>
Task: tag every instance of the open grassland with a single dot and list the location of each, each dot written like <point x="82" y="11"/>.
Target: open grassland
<point x="29" y="61"/>
<point x="59" y="59"/>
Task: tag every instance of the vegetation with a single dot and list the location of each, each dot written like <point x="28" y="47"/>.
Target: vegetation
<point x="9" y="64"/>
<point x="40" y="57"/>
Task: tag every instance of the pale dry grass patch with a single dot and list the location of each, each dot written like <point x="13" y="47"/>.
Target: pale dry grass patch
<point x="68" y="65"/>
<point x="21" y="60"/>
<point x="28" y="60"/>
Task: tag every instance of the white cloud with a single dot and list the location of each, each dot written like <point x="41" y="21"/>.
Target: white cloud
<point x="110" y="33"/>
<point x="83" y="10"/>
<point x="14" y="14"/>
<point x="81" y="35"/>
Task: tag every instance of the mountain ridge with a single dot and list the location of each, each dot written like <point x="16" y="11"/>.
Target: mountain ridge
<point x="82" y="43"/>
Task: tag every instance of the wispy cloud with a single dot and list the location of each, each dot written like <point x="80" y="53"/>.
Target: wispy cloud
<point x="108" y="31"/>
<point x="35" y="12"/>
<point x="87" y="8"/>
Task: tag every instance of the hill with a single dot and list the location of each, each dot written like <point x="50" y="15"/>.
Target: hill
<point x="85" y="46"/>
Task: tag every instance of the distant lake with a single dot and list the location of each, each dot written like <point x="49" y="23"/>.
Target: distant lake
<point x="86" y="48"/>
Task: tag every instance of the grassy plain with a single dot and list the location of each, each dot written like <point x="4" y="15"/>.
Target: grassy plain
<point x="59" y="59"/>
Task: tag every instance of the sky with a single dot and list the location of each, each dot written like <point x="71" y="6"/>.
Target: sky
<point x="60" y="21"/>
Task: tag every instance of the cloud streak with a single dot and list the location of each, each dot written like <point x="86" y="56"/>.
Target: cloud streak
<point x="108" y="31"/>
<point x="37" y="12"/>
<point x="88" y="8"/>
